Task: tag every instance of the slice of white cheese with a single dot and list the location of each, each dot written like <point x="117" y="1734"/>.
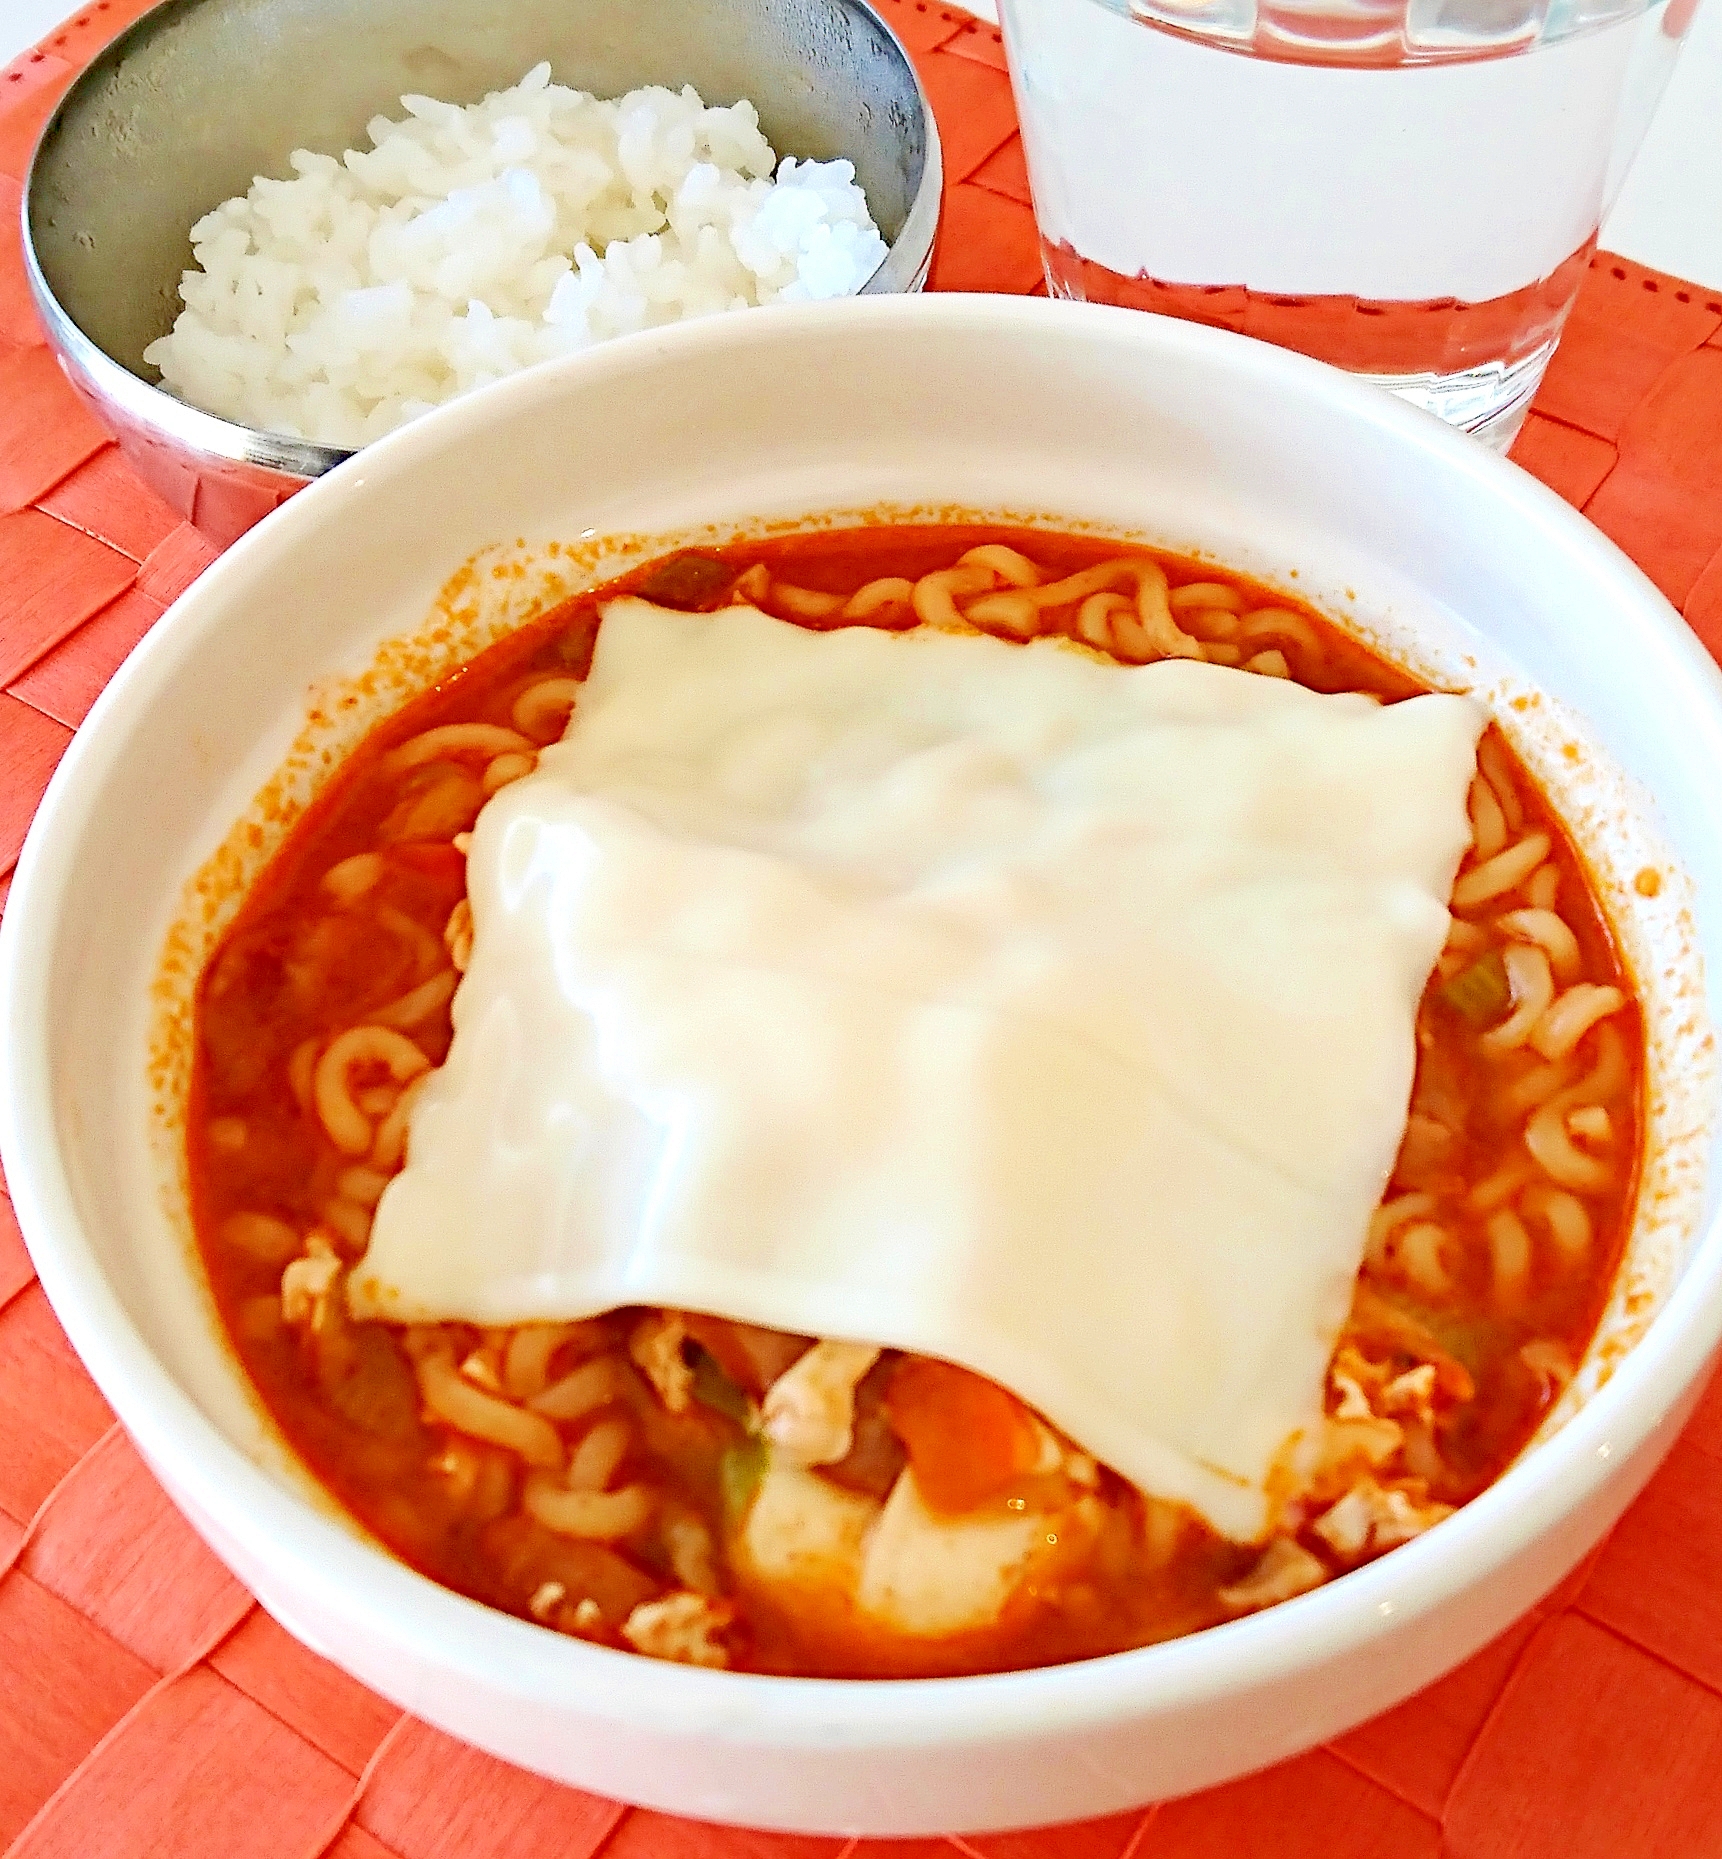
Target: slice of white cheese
<point x="990" y="1001"/>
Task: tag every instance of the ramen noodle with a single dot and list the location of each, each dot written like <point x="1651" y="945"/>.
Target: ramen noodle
<point x="720" y="1492"/>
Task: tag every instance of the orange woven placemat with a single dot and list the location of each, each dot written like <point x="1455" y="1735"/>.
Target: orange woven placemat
<point x="149" y="1707"/>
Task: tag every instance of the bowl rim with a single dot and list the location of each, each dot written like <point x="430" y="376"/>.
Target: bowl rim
<point x="355" y="1579"/>
<point x="150" y="406"/>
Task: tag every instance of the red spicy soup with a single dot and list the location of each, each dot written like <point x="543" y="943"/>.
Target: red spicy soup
<point x="613" y="1478"/>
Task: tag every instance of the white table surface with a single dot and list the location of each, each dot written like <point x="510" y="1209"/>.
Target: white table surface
<point x="1669" y="214"/>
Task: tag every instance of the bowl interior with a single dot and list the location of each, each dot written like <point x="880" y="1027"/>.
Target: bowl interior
<point x="378" y="577"/>
<point x="201" y="96"/>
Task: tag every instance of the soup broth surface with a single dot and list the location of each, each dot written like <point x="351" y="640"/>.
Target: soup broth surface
<point x="598" y="1476"/>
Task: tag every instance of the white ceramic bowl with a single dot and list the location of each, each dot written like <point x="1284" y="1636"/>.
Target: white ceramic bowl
<point x="1467" y="568"/>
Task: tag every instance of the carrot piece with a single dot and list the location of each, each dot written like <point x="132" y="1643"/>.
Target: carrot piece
<point x="967" y="1439"/>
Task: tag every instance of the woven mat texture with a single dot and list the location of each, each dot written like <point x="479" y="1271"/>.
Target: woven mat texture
<point x="149" y="1707"/>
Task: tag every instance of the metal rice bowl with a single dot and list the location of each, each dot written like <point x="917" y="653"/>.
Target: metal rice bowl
<point x="198" y="97"/>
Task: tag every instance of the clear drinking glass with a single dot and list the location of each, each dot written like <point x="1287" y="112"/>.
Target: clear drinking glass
<point x="1410" y="189"/>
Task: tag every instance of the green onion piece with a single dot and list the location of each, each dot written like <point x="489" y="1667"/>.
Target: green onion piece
<point x="1481" y="993"/>
<point x="1470" y="1341"/>
<point x="739" y="1474"/>
<point x="714" y="1389"/>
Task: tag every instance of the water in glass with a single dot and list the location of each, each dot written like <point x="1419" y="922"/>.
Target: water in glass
<point x="1410" y="189"/>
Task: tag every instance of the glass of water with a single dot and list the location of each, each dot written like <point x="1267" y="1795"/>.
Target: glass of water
<point x="1410" y="189"/>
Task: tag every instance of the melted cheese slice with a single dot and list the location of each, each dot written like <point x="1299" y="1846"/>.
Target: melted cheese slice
<point x="989" y="1001"/>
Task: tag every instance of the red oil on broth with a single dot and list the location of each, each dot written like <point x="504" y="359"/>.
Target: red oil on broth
<point x="592" y="1475"/>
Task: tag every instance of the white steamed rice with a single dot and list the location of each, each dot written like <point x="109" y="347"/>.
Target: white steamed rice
<point x="469" y="243"/>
